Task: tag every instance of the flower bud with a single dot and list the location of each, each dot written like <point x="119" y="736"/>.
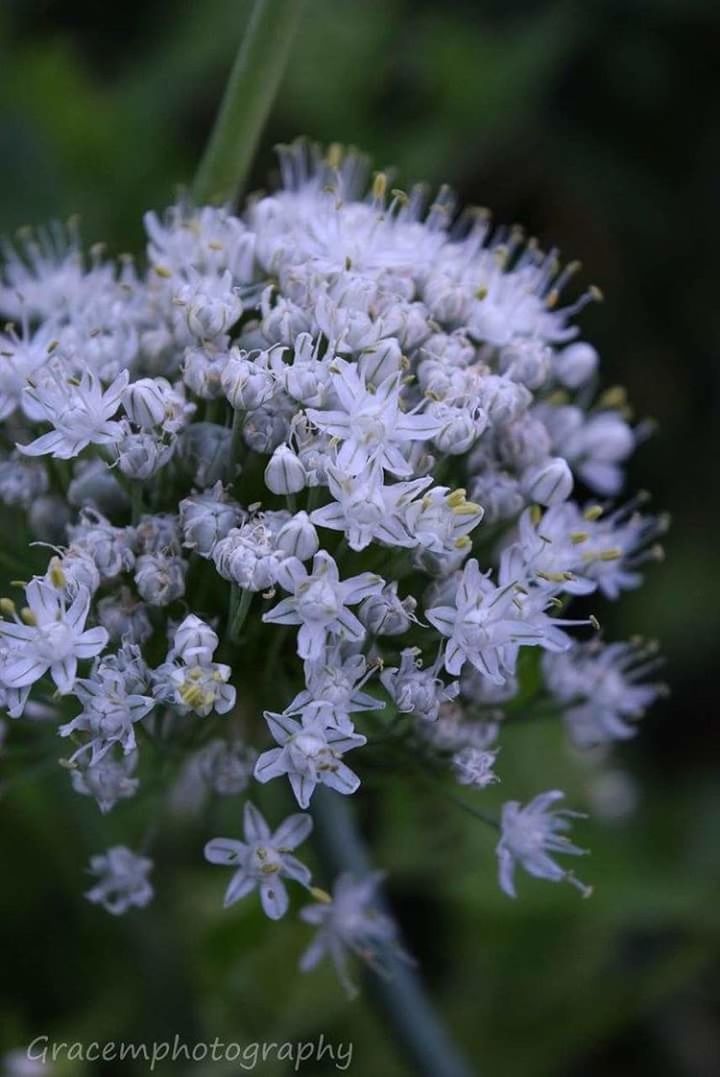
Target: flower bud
<point x="124" y="617"/>
<point x="503" y="399"/>
<point x="195" y="642"/>
<point x="110" y="547"/>
<point x="380" y="361"/>
<point x="525" y="360"/>
<point x="108" y="780"/>
<point x="284" y="473"/>
<point x="158" y="533"/>
<point x="459" y="431"/>
<point x="387" y="615"/>
<point x="265" y="429"/>
<point x="202" y="372"/>
<point x="145" y="401"/>
<point x="548" y="483"/>
<point x="160" y="580"/>
<point x="22" y="481"/>
<point x="246" y="381"/>
<point x="226" y="767"/>
<point x="576" y="364"/>
<point x="207" y="518"/>
<point x="298" y="538"/>
<point x="246" y="556"/>
<point x="209" y="305"/>
<point x="77" y="569"/>
<point x="142" y="455"/>
<point x="204" y="449"/>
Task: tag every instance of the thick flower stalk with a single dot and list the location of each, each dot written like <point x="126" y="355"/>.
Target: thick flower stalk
<point x="316" y="474"/>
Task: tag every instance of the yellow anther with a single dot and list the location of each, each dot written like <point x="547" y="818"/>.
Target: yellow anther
<point x="379" y="187"/>
<point x="614" y="397"/>
<point x="162" y="271"/>
<point x="28" y="616"/>
<point x="555" y="577"/>
<point x="463" y="543"/>
<point x="576" y="537"/>
<point x="594" y="512"/>
<point x="457" y="497"/>
<point x="57" y="577"/>
<point x="335" y="154"/>
<point x="320" y="895"/>
<point x="7" y="607"/>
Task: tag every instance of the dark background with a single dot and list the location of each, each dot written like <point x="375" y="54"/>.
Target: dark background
<point x="595" y="124"/>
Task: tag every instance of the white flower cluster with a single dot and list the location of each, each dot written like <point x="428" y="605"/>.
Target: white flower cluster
<point x="334" y="439"/>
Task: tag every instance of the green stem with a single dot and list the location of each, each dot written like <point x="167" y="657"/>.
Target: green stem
<point x="240" y="601"/>
<point x="252" y="85"/>
<point x="399" y="994"/>
<point x="136" y="501"/>
<point x="236" y="445"/>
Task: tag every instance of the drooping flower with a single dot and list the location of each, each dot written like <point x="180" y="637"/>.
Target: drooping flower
<point x="531" y="835"/>
<point x="350" y="923"/>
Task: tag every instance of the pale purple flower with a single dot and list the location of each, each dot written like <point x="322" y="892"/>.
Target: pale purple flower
<point x="263" y="860"/>
<point x="310" y="753"/>
<point x="54" y="642"/>
<point x="319" y="602"/>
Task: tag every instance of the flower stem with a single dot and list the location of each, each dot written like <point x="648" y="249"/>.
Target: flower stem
<point x="240" y="601"/>
<point x="399" y="994"/>
<point x="252" y="85"/>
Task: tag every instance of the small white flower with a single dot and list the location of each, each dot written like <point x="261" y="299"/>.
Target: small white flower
<point x="263" y="860"/>
<point x="203" y="688"/>
<point x="415" y="690"/>
<point x="350" y="923"/>
<point x="54" y="641"/>
<point x="108" y="780"/>
<point x="371" y="424"/>
<point x="473" y="766"/>
<point x="319" y="603"/>
<point x="309" y="753"/>
<point x="598" y="686"/>
<point x="123" y="880"/>
<point x="485" y="626"/>
<point x="530" y="835"/>
<point x="109" y="713"/>
<point x="366" y="510"/>
<point x="80" y="412"/>
<point x="334" y="690"/>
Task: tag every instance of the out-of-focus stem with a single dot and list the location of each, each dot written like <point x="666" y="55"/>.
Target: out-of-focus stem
<point x="250" y="91"/>
<point x="399" y="994"/>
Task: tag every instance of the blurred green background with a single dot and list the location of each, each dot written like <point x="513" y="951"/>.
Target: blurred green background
<point x="596" y="124"/>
